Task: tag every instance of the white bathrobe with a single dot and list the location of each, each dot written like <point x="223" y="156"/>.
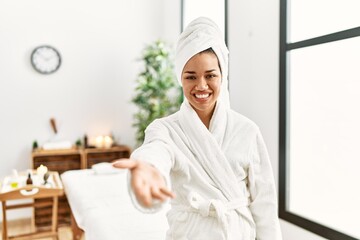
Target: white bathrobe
<point x="221" y="176"/>
<point x="201" y="210"/>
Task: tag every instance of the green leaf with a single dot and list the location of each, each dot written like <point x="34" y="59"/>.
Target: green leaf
<point x="157" y="93"/>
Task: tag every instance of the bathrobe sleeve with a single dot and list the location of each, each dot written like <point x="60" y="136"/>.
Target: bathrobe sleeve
<point x="156" y="151"/>
<point x="263" y="204"/>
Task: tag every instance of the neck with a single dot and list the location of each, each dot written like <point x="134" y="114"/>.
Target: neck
<point x="205" y="116"/>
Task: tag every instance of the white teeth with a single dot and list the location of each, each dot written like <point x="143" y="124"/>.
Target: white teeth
<point x="202" y="95"/>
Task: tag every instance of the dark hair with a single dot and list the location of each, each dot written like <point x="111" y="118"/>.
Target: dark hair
<point x="210" y="50"/>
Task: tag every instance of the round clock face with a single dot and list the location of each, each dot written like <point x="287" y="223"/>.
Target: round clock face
<point x="45" y="59"/>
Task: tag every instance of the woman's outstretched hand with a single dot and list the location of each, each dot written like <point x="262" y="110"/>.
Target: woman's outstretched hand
<point x="147" y="182"/>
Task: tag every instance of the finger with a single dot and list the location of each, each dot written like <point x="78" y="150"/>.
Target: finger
<point x="142" y="191"/>
<point x="167" y="192"/>
<point x="125" y="163"/>
<point x="156" y="193"/>
<point x="144" y="196"/>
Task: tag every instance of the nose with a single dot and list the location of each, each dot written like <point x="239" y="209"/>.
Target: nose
<point x="201" y="85"/>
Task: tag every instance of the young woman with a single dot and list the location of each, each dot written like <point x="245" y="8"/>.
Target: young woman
<point x="209" y="160"/>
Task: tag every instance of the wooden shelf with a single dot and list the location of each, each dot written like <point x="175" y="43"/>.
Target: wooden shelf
<point x="93" y="155"/>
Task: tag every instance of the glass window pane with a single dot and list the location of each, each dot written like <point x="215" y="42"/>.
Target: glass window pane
<point x="213" y="9"/>
<point x="313" y="18"/>
<point x="324" y="131"/>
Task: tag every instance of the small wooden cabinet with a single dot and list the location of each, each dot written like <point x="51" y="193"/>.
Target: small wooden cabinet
<point x="71" y="159"/>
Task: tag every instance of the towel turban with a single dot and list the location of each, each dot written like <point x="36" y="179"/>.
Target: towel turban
<point x="201" y="34"/>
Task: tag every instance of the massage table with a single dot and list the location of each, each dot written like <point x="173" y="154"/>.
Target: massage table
<point x="102" y="209"/>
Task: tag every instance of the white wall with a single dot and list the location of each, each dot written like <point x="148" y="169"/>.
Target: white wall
<point x="171" y="21"/>
<point x="254" y="77"/>
<point x="100" y="42"/>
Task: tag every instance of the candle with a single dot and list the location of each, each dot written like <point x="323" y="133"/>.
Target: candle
<point x="103" y="142"/>
<point x="41" y="170"/>
<point x="108" y="142"/>
<point x="99" y="141"/>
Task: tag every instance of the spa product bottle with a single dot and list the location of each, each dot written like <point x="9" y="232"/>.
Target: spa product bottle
<point x="29" y="180"/>
<point x="86" y="141"/>
<point x="14" y="179"/>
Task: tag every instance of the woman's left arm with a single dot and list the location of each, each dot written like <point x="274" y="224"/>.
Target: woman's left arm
<point x="263" y="204"/>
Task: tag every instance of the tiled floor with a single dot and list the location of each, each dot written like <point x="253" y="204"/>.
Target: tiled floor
<point x="24" y="226"/>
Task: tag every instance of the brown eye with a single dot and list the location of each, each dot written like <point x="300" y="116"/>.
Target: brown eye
<point x="210" y="76"/>
<point x="190" y="77"/>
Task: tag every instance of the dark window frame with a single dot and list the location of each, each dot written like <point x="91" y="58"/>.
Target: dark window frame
<point x="285" y="47"/>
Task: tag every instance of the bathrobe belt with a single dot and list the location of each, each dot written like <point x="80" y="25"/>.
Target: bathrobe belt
<point x="215" y="208"/>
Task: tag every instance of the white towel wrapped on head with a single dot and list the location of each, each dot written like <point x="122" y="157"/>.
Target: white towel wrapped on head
<point x="201" y="34"/>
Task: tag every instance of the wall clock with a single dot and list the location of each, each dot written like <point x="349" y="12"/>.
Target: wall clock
<point x="45" y="59"/>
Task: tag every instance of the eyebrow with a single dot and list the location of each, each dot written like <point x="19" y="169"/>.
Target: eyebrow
<point x="207" y="71"/>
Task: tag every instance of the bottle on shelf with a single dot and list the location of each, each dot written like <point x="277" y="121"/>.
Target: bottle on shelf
<point x="29" y="180"/>
<point x="86" y="145"/>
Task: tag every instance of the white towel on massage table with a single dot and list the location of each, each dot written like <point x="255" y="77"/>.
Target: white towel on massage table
<point x="102" y="208"/>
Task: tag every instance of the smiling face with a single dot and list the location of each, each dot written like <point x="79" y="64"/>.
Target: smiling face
<point x="201" y="81"/>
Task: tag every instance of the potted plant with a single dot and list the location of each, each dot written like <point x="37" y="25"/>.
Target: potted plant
<point x="157" y="93"/>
